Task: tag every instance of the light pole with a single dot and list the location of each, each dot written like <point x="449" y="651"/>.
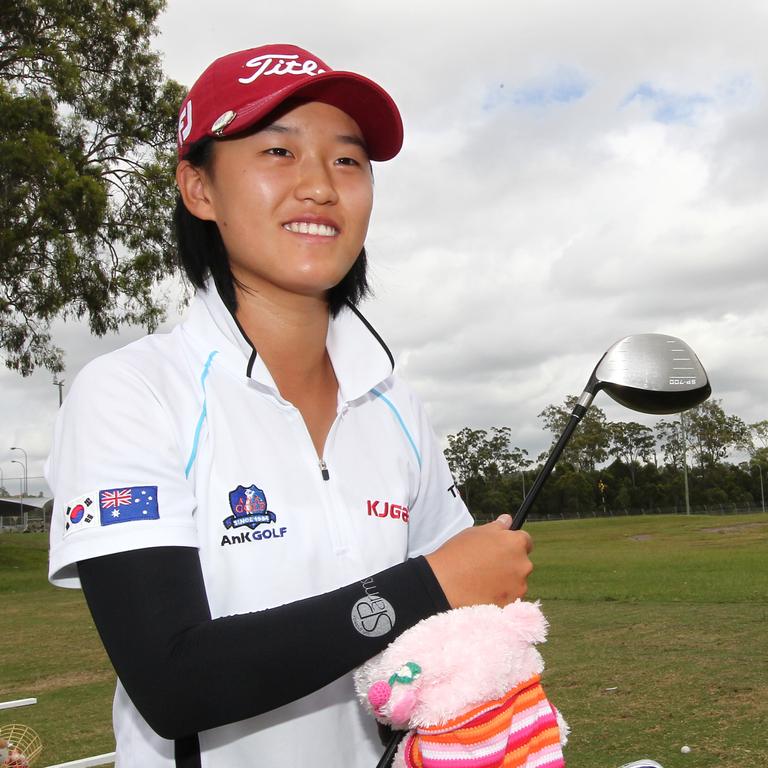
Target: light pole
<point x="2" y="478"/>
<point x="685" y="465"/>
<point x="26" y="489"/>
<point x="21" y="487"/>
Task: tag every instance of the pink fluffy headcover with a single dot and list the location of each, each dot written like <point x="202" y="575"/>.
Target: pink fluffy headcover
<point x="452" y="663"/>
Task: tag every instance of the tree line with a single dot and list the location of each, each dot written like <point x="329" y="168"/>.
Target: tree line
<point x="615" y="465"/>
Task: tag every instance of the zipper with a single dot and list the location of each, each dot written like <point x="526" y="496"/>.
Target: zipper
<point x="326" y="491"/>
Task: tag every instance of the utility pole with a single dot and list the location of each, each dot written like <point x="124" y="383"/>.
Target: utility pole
<point x="60" y="385"/>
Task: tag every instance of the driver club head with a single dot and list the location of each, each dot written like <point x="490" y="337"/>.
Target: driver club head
<point x="647" y="372"/>
<point x="651" y="373"/>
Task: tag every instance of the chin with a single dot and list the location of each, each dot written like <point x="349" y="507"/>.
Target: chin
<point x="316" y="283"/>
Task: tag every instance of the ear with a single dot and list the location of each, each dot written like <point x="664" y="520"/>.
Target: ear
<point x="193" y="188"/>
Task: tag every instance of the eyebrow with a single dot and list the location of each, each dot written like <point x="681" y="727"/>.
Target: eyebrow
<point x="343" y="138"/>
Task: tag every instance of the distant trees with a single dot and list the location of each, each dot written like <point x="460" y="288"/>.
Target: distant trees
<point x="87" y="133"/>
<point x="589" y="445"/>
<point x="633" y="444"/>
<point x="613" y="464"/>
<point x="759" y="434"/>
<point x="757" y="442"/>
<point x="705" y="432"/>
<point x="483" y="464"/>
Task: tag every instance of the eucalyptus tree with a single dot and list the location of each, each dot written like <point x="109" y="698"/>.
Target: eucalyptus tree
<point x="631" y="443"/>
<point x="483" y="461"/>
<point x="590" y="442"/>
<point x="87" y="134"/>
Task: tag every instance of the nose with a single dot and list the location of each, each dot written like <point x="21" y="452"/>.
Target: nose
<point x="378" y="694"/>
<point x="315" y="183"/>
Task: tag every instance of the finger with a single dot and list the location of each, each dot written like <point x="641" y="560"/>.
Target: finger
<point x="528" y="541"/>
<point x="504" y="521"/>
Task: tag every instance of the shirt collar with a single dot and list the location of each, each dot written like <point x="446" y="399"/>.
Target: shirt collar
<point x="360" y="358"/>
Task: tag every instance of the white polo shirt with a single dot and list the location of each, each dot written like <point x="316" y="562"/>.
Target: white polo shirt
<point x="182" y="439"/>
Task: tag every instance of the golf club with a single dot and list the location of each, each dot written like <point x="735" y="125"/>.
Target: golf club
<point x="647" y="372"/>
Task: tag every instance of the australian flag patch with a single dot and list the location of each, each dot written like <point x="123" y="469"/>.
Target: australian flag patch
<point x="249" y="507"/>
<point x="126" y="505"/>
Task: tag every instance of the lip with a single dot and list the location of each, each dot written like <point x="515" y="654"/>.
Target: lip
<point x="311" y="218"/>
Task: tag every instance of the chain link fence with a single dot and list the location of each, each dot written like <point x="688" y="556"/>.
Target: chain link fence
<point x="736" y="508"/>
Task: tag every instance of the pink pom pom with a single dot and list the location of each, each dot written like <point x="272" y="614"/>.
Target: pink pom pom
<point x="378" y="694"/>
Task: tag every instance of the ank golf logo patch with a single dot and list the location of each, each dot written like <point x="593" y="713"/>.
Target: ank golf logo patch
<point x="249" y="507"/>
<point x="249" y="510"/>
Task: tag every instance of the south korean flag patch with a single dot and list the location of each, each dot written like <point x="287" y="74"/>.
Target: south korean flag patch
<point x="81" y="513"/>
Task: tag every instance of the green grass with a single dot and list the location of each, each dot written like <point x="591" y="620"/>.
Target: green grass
<point x="49" y="649"/>
<point x="658" y="638"/>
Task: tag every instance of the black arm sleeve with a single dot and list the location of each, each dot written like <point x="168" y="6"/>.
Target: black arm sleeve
<point x="151" y="610"/>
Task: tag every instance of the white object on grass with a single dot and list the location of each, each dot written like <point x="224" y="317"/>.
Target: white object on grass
<point x="642" y="764"/>
<point x="17" y="703"/>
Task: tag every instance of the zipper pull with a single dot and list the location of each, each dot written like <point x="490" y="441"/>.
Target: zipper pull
<point x="324" y="470"/>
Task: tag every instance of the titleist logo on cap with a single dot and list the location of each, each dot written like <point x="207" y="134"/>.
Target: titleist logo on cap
<point x="237" y="91"/>
<point x="280" y="64"/>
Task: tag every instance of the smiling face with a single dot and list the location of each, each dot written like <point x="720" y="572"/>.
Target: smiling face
<point x="292" y="201"/>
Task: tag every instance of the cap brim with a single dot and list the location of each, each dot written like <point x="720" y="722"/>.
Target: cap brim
<point x="369" y="105"/>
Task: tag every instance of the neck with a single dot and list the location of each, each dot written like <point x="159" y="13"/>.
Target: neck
<point x="289" y="335"/>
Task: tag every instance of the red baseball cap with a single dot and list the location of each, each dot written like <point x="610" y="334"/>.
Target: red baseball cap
<point x="239" y="89"/>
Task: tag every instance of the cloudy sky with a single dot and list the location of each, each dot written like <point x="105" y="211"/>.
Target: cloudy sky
<point x="572" y="173"/>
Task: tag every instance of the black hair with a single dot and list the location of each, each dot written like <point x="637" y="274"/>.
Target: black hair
<point x="202" y="252"/>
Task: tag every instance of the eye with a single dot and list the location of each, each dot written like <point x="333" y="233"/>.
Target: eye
<point x="278" y="152"/>
<point x="351" y="161"/>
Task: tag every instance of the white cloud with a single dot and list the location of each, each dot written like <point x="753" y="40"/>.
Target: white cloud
<point x="572" y="173"/>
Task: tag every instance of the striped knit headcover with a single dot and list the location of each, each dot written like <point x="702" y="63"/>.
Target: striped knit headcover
<point x="519" y="730"/>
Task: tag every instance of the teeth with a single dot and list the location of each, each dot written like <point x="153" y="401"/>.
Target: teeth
<point x="310" y="228"/>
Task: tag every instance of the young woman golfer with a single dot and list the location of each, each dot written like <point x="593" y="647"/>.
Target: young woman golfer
<point x="253" y="503"/>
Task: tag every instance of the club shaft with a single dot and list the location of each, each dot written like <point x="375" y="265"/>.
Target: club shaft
<point x="389" y="752"/>
<point x="522" y="513"/>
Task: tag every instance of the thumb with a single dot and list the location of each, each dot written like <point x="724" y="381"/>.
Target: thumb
<point x="503" y="521"/>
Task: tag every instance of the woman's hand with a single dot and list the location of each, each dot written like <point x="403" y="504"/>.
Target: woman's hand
<point x="485" y="564"/>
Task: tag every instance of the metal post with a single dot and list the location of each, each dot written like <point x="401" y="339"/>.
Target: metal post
<point x="26" y="487"/>
<point x="685" y="464"/>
